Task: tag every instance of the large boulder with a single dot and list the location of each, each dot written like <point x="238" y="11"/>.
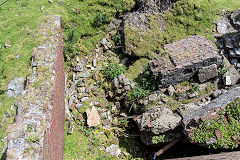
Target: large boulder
<point x="136" y="29"/>
<point x="185" y="59"/>
<point x="159" y="119"/>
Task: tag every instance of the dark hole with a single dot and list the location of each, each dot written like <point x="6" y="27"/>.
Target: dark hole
<point x="186" y="71"/>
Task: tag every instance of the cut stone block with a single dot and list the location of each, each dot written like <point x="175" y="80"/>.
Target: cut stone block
<point x="186" y="58"/>
<point x="207" y="73"/>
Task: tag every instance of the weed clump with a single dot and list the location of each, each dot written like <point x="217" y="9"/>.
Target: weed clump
<point x="100" y="19"/>
<point x="158" y="139"/>
<point x="112" y="70"/>
<point x="146" y="82"/>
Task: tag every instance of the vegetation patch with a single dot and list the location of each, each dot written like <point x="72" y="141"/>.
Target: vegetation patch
<point x="224" y="131"/>
<point x="158" y="139"/>
<point x="112" y="70"/>
<point x="145" y="83"/>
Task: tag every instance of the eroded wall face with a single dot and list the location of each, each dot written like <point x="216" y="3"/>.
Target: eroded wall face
<point x="38" y="132"/>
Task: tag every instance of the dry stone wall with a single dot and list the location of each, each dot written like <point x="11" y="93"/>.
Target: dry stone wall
<point x="38" y="132"/>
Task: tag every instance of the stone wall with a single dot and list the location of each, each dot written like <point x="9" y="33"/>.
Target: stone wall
<point x="38" y="131"/>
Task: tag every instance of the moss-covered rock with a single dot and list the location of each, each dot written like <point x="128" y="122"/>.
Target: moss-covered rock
<point x="139" y="27"/>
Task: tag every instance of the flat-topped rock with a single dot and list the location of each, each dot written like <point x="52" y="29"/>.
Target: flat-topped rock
<point x="211" y="109"/>
<point x="185" y="58"/>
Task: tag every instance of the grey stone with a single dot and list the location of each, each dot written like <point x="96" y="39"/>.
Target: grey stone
<point x="232" y="53"/>
<point x="121" y="77"/>
<point x="84" y="74"/>
<point x="237" y="51"/>
<point x="202" y="86"/>
<point x="231" y="41"/>
<point x="222" y="27"/>
<point x="79" y="67"/>
<point x="138" y="21"/>
<point x="211" y="108"/>
<point x="217" y="93"/>
<point x="104" y="41"/>
<point x="182" y="64"/>
<point x="81" y="90"/>
<point x="170" y="90"/>
<point x="104" y="115"/>
<point x="234" y="62"/>
<point x="185" y="109"/>
<point x="159" y="119"/>
<point x="114" y="24"/>
<point x="94" y="63"/>
<point x="79" y="105"/>
<point x="211" y="141"/>
<point x="154" y="5"/>
<point x="60" y="2"/>
<point x="84" y="99"/>
<point x="238" y="66"/>
<point x="231" y="77"/>
<point x="207" y="73"/>
<point x="113" y="150"/>
<point x="126" y="82"/>
<point x="192" y="95"/>
<point x="15" y="87"/>
<point x="235" y="19"/>
<point x="152" y="97"/>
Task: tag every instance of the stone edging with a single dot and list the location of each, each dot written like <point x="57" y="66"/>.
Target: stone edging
<point x="38" y="132"/>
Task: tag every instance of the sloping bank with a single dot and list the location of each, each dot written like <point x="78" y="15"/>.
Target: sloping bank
<point x="38" y="131"/>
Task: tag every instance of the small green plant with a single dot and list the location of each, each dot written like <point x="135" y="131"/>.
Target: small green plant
<point x="32" y="138"/>
<point x="112" y="70"/>
<point x="87" y="131"/>
<point x="146" y="83"/>
<point x="100" y="19"/>
<point x="109" y="106"/>
<point x="79" y="83"/>
<point x="224" y="69"/>
<point x="117" y="39"/>
<point x="193" y="88"/>
<point x="137" y="92"/>
<point x="29" y="128"/>
<point x="95" y="141"/>
<point x="158" y="139"/>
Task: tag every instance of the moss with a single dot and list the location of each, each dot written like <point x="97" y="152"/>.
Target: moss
<point x="227" y="124"/>
<point x="136" y="69"/>
<point x="32" y="138"/>
<point x="135" y="40"/>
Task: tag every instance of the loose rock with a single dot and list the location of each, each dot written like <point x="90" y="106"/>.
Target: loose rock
<point x="113" y="150"/>
<point x="15" y="87"/>
<point x="93" y="118"/>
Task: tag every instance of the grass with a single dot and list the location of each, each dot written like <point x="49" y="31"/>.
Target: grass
<point x="79" y="146"/>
